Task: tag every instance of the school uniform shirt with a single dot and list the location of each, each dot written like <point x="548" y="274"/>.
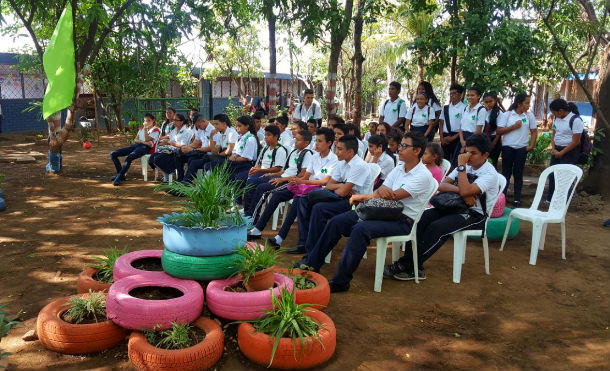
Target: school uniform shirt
<point x="203" y="135"/>
<point x="392" y="111"/>
<point x="417" y="181"/>
<point x="356" y="171"/>
<point x="386" y="163"/>
<point x="260" y="134"/>
<point x="473" y="118"/>
<point x="563" y="133"/>
<point x="320" y="167"/>
<point x="265" y="158"/>
<point x="367" y="135"/>
<point x="182" y="136"/>
<point x="420" y="116"/>
<point x="312" y="144"/>
<point x="455" y="117"/>
<point x="498" y="119"/>
<point x="153" y="132"/>
<point x="246" y="146"/>
<point x="224" y="139"/>
<point x="487" y="180"/>
<point x="435" y="107"/>
<point x="518" y="138"/>
<point x="362" y="147"/>
<point x="286" y="139"/>
<point x="303" y="113"/>
<point x="293" y="158"/>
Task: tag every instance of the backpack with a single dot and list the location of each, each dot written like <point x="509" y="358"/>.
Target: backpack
<point x="585" y="146"/>
<point x="447" y="118"/>
<point x="262" y="155"/>
<point x="299" y="160"/>
<point x="314" y="112"/>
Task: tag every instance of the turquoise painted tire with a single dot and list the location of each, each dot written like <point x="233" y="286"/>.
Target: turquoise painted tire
<point x="496" y="226"/>
<point x="201" y="268"/>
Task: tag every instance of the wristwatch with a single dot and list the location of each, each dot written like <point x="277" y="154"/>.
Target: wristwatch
<point x="461" y="168"/>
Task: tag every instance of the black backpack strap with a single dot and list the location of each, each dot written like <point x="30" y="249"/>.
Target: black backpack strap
<point x="287" y="164"/>
<point x="572" y="121"/>
<point x="384" y="104"/>
<point x="275" y="151"/>
<point x="447" y="118"/>
<point x="301" y="158"/>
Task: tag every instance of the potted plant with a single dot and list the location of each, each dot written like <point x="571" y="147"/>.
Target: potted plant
<point x="538" y="157"/>
<point x="98" y="276"/>
<point x="182" y="347"/>
<point x="257" y="266"/>
<point x="211" y="224"/>
<point x="78" y="325"/>
<point x="5" y="326"/>
<point x="309" y="287"/>
<point x="290" y="336"/>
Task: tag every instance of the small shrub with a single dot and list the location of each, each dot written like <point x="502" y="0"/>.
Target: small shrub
<point x="256" y="260"/>
<point x="540" y="154"/>
<point x="93" y="307"/>
<point x="175" y="338"/>
<point x="301" y="281"/>
<point x="105" y="264"/>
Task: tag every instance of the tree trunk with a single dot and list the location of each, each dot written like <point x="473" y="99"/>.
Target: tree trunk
<point x="118" y="108"/>
<point x="97" y="116"/>
<point x="454" y="20"/>
<point x="271" y="19"/>
<point x="545" y="106"/>
<point x="359" y="59"/>
<point x="420" y="68"/>
<point x="107" y="120"/>
<point x="337" y="36"/>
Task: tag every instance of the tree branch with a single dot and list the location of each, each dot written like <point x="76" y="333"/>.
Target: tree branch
<point x="106" y="31"/>
<point x="28" y="26"/>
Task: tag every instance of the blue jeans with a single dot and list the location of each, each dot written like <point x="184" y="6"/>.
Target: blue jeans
<point x="133" y="152"/>
<point x="312" y="219"/>
<point x="513" y="162"/>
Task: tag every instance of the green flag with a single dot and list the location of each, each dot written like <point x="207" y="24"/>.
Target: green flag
<point x="59" y="66"/>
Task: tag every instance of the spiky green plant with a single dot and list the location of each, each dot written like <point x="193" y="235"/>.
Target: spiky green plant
<point x="5" y="326"/>
<point x="210" y="200"/>
<point x="255" y="260"/>
<point x="175" y="338"/>
<point x="105" y="264"/>
<point x="93" y="307"/>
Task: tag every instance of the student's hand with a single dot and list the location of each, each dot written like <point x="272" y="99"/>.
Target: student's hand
<point x="557" y="154"/>
<point x="444" y="141"/>
<point x="463" y="158"/>
<point x="529" y="148"/>
<point x="355" y="199"/>
<point x="277" y="181"/>
<point x="517" y="125"/>
<point x="215" y="131"/>
<point x="470" y="201"/>
<point x="463" y="142"/>
<point x="294" y="181"/>
<point x="253" y="170"/>
<point x="385" y="193"/>
<point x="268" y="175"/>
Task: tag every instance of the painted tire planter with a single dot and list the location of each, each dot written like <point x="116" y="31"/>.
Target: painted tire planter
<point x="63" y="337"/>
<point x="496" y="227"/>
<point x="133" y="313"/>
<point x="198" y="357"/>
<point x="199" y="267"/>
<point x="238" y="306"/>
<point x="203" y="241"/>
<point x="258" y="346"/>
<point x="123" y="265"/>
<point x="2" y="204"/>
<point x="86" y="282"/>
<point x="319" y="295"/>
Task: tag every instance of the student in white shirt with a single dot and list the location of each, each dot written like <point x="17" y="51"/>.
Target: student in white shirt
<point x="286" y="138"/>
<point x="372" y="131"/>
<point x="196" y="153"/>
<point x="222" y="141"/>
<point x="519" y="130"/>
<point x="378" y="154"/>
<point x="167" y="157"/>
<point x="246" y="149"/>
<point x="434" y="104"/>
<point x="408" y="183"/>
<point x="144" y="143"/>
<point x="351" y="176"/>
<point x="494" y="116"/>
<point x="566" y="136"/>
<point x="312" y="127"/>
<point x="451" y="117"/>
<point x="419" y="118"/>
<point x="309" y="109"/>
<point x="355" y="131"/>
<point x="473" y="119"/>
<point x="393" y="110"/>
<point x="436" y="227"/>
<point x="258" y="117"/>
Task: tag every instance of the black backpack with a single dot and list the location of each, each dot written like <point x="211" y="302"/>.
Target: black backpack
<point x="584" y="149"/>
<point x="299" y="160"/>
<point x="314" y="112"/>
<point x="273" y="153"/>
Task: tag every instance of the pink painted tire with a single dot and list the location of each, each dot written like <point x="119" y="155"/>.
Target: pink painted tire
<point x="123" y="268"/>
<point x="133" y="313"/>
<point x="241" y="306"/>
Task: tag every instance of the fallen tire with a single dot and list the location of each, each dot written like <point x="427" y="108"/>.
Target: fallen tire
<point x="258" y="346"/>
<point x="239" y="306"/>
<point x="200" y="267"/>
<point x="496" y="226"/>
<point x="63" y="337"/>
<point x="201" y="356"/>
<point x="319" y="295"/>
<point x="123" y="265"/>
<point x="86" y="282"/>
<point x="133" y="313"/>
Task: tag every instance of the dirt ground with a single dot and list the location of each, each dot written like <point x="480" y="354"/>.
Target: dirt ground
<point x="554" y="315"/>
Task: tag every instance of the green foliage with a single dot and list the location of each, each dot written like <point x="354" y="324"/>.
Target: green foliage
<point x="5" y="327"/>
<point x="105" y="264"/>
<point x="255" y="260"/>
<point x="210" y="200"/>
<point x="93" y="307"/>
<point x="233" y="110"/>
<point x="175" y="338"/>
<point x="540" y="153"/>
<point x="34" y="106"/>
<point x="301" y="281"/>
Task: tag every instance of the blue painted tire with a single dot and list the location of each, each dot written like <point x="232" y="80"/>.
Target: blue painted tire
<point x="496" y="226"/>
<point x="201" y="268"/>
<point x="2" y="204"/>
<point x="1" y="194"/>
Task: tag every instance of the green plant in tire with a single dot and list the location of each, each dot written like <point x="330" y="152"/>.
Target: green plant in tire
<point x="301" y="281"/>
<point x="5" y="326"/>
<point x="255" y="260"/>
<point x="210" y="200"/>
<point x="105" y="264"/>
<point x="175" y="338"/>
<point x="92" y="307"/>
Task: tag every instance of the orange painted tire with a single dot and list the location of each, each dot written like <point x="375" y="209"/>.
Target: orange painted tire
<point x="319" y="295"/>
<point x="86" y="282"/>
<point x="63" y="337"/>
<point x="258" y="346"/>
<point x="198" y="357"/>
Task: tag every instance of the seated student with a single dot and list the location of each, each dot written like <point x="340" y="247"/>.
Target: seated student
<point x="167" y="157"/>
<point x="295" y="128"/>
<point x="350" y="176"/>
<point x="408" y="184"/>
<point x="286" y="138"/>
<point x="372" y="130"/>
<point x="258" y="117"/>
<point x="144" y="143"/>
<point x="355" y="131"/>
<point x="433" y="158"/>
<point x="419" y="119"/>
<point x="222" y="141"/>
<point x="384" y="129"/>
<point x="168" y="123"/>
<point x="271" y="160"/>
<point x="340" y="130"/>
<point x="246" y="149"/>
<point x="298" y="161"/>
<point x="316" y="174"/>
<point x="378" y="151"/>
<point x="334" y="120"/>
<point x="436" y="227"/>
<point x="312" y="128"/>
<point x="197" y="152"/>
<point x="394" y="138"/>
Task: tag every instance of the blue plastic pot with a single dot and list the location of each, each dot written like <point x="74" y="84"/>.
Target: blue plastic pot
<point x="203" y="241"/>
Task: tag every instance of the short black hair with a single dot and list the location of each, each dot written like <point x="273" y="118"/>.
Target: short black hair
<point x="302" y="125"/>
<point x="150" y="116"/>
<point x="274" y="130"/>
<point x="312" y="121"/>
<point x="222" y="117"/>
<point x="282" y="120"/>
<point x="378" y="140"/>
<point x="480" y="141"/>
<point x="341" y="127"/>
<point x="171" y="109"/>
<point x="306" y="135"/>
<point x="258" y="115"/>
<point x="354" y="128"/>
<point x="350" y="142"/>
<point x="457" y="87"/>
<point x="337" y="119"/>
<point x="272" y="120"/>
<point x="396" y="84"/>
<point x="418" y="140"/>
<point x="395" y="134"/>
<point x="329" y="134"/>
<point x="198" y="117"/>
<point x="477" y="89"/>
<point x="307" y="91"/>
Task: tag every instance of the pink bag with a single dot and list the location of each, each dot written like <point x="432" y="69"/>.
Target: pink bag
<point x="498" y="210"/>
<point x="300" y="190"/>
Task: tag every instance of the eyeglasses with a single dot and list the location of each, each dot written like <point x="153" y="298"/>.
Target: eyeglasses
<point x="404" y="146"/>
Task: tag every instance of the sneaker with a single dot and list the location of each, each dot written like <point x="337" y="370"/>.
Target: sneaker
<point x="409" y="276"/>
<point x="338" y="287"/>
<point x="273" y="243"/>
<point x="252" y="237"/>
<point x="116" y="182"/>
<point x="391" y="269"/>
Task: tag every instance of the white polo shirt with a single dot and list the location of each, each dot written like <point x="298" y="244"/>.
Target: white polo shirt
<point x="356" y="171"/>
<point x="303" y="113"/>
<point x="266" y="160"/>
<point x="393" y="110"/>
<point x="260" y="134"/>
<point x="153" y="132"/>
<point x="293" y="158"/>
<point x="204" y="136"/>
<point x="487" y="181"/>
<point x="498" y="119"/>
<point x="362" y="147"/>
<point x="312" y="144"/>
<point x="182" y="136"/>
<point x="471" y="118"/>
<point x="286" y="139"/>
<point x="455" y="117"/>
<point x="246" y="146"/>
<point x="563" y="133"/>
<point x="420" y="116"/>
<point x="518" y="138"/>
<point x="321" y="167"/>
<point x="435" y="107"/>
<point x="416" y="182"/>
<point x="224" y="139"/>
<point x="385" y="162"/>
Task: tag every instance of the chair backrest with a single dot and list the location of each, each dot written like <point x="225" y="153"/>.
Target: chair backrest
<point x="432" y="188"/>
<point x="375" y="171"/>
<point x="501" y="186"/>
<point x="566" y="178"/>
<point x="445" y="166"/>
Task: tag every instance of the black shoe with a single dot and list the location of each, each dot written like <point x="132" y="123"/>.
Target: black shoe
<point x="409" y="276"/>
<point x="173" y="192"/>
<point x="272" y="242"/>
<point x="122" y="179"/>
<point x="607" y="223"/>
<point x="252" y="237"/>
<point x="297" y="250"/>
<point x="391" y="269"/>
<point x="336" y="287"/>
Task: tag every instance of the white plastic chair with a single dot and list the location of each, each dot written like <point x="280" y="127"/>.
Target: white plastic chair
<point x="375" y="171"/>
<point x="144" y="163"/>
<point x="566" y="179"/>
<point x="382" y="242"/>
<point x="459" y="239"/>
<point x="283" y="207"/>
<point x="445" y="167"/>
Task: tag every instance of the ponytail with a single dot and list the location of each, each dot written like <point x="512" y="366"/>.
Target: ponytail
<point x="249" y="122"/>
<point x="495" y="111"/>
<point x="573" y="108"/>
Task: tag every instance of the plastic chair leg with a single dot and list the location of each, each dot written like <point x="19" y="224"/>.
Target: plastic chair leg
<point x="415" y="261"/>
<point x="459" y="245"/>
<point x="396" y="247"/>
<point x="144" y="165"/>
<point x="486" y="254"/>
<point x="276" y="214"/>
<point x="536" y="233"/>
<point x="506" y="230"/>
<point x="171" y="178"/>
<point x="563" y="240"/>
<point x="382" y="248"/>
<point x="364" y="256"/>
<point x="156" y="174"/>
<point x="542" y="237"/>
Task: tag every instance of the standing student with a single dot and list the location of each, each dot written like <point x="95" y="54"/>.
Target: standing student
<point x="566" y="137"/>
<point x="394" y="109"/>
<point x="246" y="149"/>
<point x="434" y="104"/>
<point x="451" y="118"/>
<point x="518" y="129"/>
<point x="419" y="117"/>
<point x="432" y="158"/>
<point x="258" y="117"/>
<point x="494" y="115"/>
<point x="309" y="109"/>
<point x="378" y="151"/>
<point x="144" y="143"/>
<point x="473" y="120"/>
<point x="168" y="158"/>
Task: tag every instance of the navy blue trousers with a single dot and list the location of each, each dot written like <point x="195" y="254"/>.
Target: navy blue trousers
<point x="312" y="219"/>
<point x="290" y="218"/>
<point x="168" y="162"/>
<point x="194" y="163"/>
<point x="133" y="152"/>
<point x="422" y="130"/>
<point x="274" y="201"/>
<point x="513" y="163"/>
<point x="257" y="186"/>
